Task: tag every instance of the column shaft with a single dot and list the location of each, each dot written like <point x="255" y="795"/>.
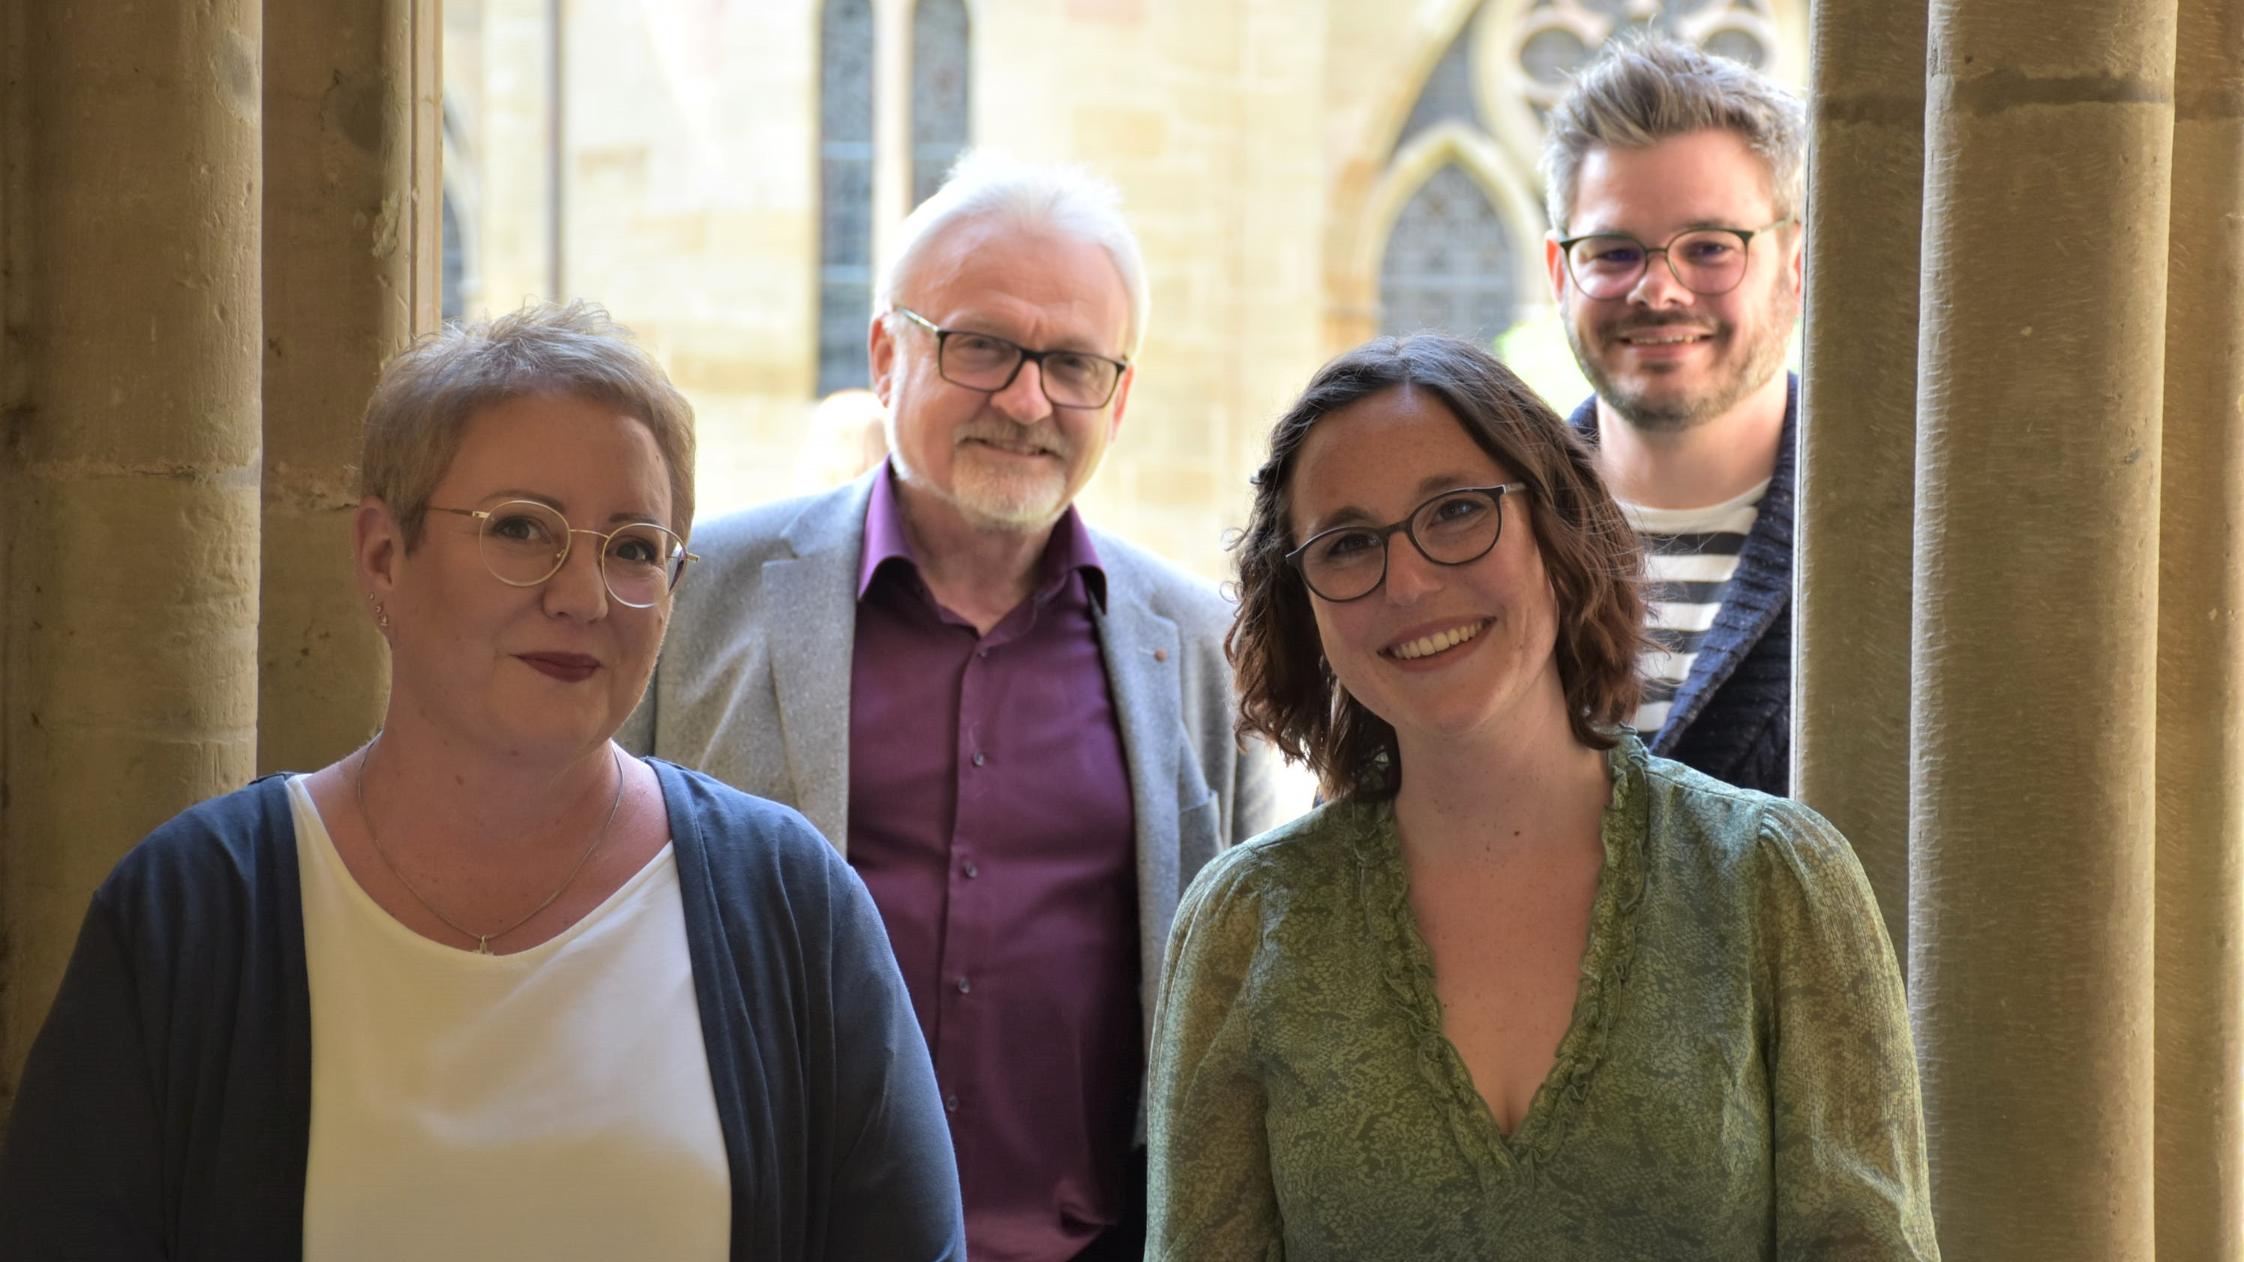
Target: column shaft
<point x="350" y="195"/>
<point x="2200" y="1012"/>
<point x="892" y="124"/>
<point x="1858" y="442"/>
<point x="2033" y="720"/>
<point x="132" y="465"/>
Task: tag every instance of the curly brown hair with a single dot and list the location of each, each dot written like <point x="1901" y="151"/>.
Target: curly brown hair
<point x="1288" y="693"/>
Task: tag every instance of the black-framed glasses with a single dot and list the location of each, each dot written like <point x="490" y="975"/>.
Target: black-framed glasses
<point x="523" y="543"/>
<point x="1706" y="261"/>
<point x="980" y="361"/>
<point x="1456" y="527"/>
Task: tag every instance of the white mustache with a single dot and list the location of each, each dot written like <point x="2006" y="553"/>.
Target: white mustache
<point x="1009" y="436"/>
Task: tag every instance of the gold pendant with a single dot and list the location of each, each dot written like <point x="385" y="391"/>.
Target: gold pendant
<point x="483" y="944"/>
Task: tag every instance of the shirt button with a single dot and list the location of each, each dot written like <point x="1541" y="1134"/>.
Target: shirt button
<point x="982" y="653"/>
<point x="971" y="870"/>
<point x="965" y="986"/>
<point x="950" y="1102"/>
<point x="980" y="758"/>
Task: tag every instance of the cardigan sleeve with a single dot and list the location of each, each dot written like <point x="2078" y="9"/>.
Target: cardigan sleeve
<point x="81" y="1172"/>
<point x="1210" y="1195"/>
<point x="1849" y="1148"/>
<point x="894" y="1183"/>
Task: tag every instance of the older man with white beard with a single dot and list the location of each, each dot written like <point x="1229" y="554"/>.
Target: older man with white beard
<point x="1018" y="729"/>
<point x="1674" y="181"/>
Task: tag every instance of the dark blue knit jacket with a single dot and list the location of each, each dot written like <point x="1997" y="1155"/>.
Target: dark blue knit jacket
<point x="165" y="1114"/>
<point x="1732" y="718"/>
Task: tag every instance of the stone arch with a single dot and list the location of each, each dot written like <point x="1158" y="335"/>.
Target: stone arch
<point x="1356" y="281"/>
<point x="1368" y="174"/>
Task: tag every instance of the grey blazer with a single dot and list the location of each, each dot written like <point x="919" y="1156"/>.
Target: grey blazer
<point x="753" y="688"/>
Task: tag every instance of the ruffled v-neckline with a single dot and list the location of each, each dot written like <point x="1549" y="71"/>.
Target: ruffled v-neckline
<point x="1407" y="967"/>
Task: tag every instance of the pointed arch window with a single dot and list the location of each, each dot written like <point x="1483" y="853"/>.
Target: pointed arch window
<point x="942" y="93"/>
<point x="1448" y="264"/>
<point x="845" y="192"/>
<point x="1448" y="94"/>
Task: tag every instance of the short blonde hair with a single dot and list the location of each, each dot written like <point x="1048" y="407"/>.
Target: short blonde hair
<point x="1644" y="89"/>
<point x="428" y="393"/>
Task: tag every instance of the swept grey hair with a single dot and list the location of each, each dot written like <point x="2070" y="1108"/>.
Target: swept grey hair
<point x="1642" y="90"/>
<point x="1070" y="200"/>
<point x="428" y="393"/>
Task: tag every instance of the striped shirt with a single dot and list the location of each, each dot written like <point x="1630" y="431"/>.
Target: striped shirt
<point x="1689" y="556"/>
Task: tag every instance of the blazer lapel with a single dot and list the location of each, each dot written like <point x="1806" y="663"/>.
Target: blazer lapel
<point x="1140" y="649"/>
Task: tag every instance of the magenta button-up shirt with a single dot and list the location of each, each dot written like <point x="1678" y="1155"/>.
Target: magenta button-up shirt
<point x="989" y="814"/>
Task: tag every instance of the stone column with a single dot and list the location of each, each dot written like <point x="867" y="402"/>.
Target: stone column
<point x="892" y="125"/>
<point x="132" y="457"/>
<point x="351" y="255"/>
<point x="2033" y="716"/>
<point x="2201" y="656"/>
<point x="1851" y="593"/>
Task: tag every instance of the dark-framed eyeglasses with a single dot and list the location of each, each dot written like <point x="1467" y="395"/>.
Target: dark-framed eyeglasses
<point x="1456" y="527"/>
<point x="980" y="361"/>
<point x="1706" y="261"/>
<point x="523" y="543"/>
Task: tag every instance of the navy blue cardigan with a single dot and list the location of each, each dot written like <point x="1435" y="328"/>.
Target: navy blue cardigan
<point x="1732" y="718"/>
<point x="165" y="1111"/>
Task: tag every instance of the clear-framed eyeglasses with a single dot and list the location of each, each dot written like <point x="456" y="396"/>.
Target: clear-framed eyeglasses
<point x="984" y="362"/>
<point x="1456" y="527"/>
<point x="1706" y="261"/>
<point x="523" y="543"/>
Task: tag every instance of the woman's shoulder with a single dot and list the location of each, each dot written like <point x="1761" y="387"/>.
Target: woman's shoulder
<point x="735" y="837"/>
<point x="1745" y="830"/>
<point x="219" y="866"/>
<point x="233" y="838"/>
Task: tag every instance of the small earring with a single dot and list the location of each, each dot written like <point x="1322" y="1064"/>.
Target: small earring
<point x="381" y="616"/>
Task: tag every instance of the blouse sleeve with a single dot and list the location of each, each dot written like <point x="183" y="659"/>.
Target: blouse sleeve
<point x="1209" y="1194"/>
<point x="1849" y="1124"/>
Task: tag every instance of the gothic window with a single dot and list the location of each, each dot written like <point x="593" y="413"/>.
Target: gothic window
<point x="1448" y="94"/>
<point x="845" y="190"/>
<point x="1448" y="264"/>
<point x="941" y="97"/>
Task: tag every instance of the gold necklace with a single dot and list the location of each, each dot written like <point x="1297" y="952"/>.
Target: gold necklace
<point x="482" y="940"/>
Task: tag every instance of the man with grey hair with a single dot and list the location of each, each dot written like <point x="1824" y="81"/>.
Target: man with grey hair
<point x="1018" y="729"/>
<point x="1674" y="181"/>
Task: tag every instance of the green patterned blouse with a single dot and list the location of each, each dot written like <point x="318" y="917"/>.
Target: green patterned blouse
<point x="1738" y="1080"/>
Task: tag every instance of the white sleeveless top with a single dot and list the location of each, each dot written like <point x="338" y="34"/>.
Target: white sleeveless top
<point x="553" y="1103"/>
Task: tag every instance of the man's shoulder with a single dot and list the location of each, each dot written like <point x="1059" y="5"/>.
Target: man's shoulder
<point x="802" y="523"/>
<point x="1134" y="572"/>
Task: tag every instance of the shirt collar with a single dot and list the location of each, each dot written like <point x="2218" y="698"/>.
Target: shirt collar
<point x="1069" y="550"/>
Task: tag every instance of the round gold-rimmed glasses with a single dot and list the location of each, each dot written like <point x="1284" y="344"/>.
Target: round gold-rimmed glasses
<point x="523" y="543"/>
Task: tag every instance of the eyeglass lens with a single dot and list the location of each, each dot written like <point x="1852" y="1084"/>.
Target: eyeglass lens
<point x="1711" y="261"/>
<point x="1449" y="529"/>
<point x="524" y="543"/>
<point x="989" y="363"/>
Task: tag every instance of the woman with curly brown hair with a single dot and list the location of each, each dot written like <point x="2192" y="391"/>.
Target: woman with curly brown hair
<point x="1518" y="989"/>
